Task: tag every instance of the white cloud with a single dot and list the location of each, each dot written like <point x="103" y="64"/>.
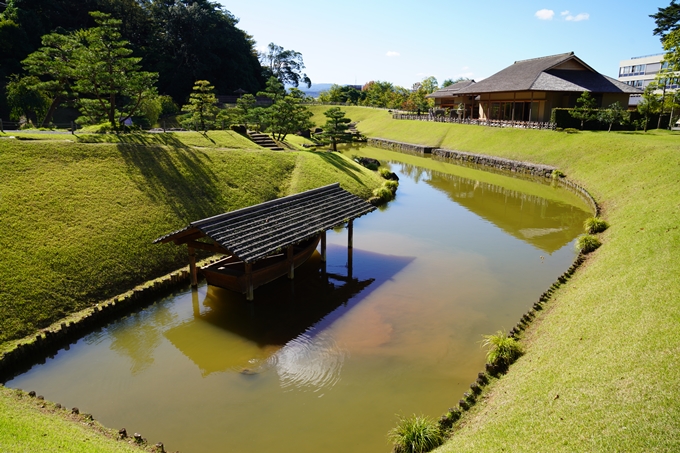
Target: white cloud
<point x="577" y="18"/>
<point x="465" y="68"/>
<point x="392" y="53"/>
<point x="545" y="14"/>
<point x="564" y="13"/>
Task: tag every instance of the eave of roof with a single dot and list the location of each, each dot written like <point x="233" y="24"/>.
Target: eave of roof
<point x="255" y="232"/>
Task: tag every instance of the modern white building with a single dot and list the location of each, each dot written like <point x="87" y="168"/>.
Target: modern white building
<point x="641" y="71"/>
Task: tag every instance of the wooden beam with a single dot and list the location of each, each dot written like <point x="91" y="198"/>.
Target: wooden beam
<point x="192" y="267"/>
<point x="323" y="246"/>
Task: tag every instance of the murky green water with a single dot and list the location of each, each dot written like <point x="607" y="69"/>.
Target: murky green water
<point x="326" y="362"/>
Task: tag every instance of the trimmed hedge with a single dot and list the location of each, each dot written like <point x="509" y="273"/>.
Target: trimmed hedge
<point x="563" y="119"/>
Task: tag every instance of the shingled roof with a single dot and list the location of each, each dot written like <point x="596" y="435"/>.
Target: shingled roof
<point x="257" y="231"/>
<point x="549" y="74"/>
<point x="451" y="90"/>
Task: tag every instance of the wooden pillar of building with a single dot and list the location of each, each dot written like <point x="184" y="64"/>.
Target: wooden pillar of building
<point x="249" y="279"/>
<point x="192" y="267"/>
<point x="291" y="262"/>
<point x="323" y="246"/>
<point x="531" y="105"/>
<point x="514" y="99"/>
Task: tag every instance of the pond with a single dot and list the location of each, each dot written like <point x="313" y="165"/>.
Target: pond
<point x="326" y="362"/>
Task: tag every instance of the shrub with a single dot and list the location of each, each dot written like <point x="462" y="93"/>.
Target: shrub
<point x="391" y="185"/>
<point x="571" y="130"/>
<point x="557" y="174"/>
<point x="503" y="350"/>
<point x="587" y="243"/>
<point x="594" y="225"/>
<point x="383" y="193"/>
<point x="415" y="434"/>
<point x="385" y="173"/>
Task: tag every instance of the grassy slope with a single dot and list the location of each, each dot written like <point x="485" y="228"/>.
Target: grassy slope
<point x="77" y="224"/>
<point x="609" y="344"/>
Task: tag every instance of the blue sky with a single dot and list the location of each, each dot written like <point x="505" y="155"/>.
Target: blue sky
<point x="405" y="41"/>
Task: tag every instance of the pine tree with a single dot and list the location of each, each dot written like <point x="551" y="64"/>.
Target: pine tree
<point x="202" y="106"/>
<point x="336" y="127"/>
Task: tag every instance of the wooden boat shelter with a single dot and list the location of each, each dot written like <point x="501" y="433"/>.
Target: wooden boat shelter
<point x="268" y="240"/>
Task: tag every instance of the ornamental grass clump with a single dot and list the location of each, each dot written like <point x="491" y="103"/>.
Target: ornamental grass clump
<point x="503" y="350"/>
<point x="415" y="434"/>
<point x="594" y="225"/>
<point x="587" y="243"/>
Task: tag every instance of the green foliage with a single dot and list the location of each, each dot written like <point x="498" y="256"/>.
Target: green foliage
<point x="384" y="95"/>
<point x="274" y="90"/>
<point x="336" y="128"/>
<point x="168" y="106"/>
<point x="26" y="99"/>
<point x="342" y="95"/>
<point x="201" y="107"/>
<point x="614" y="114"/>
<point x="288" y="116"/>
<point x="108" y="80"/>
<point x="391" y="185"/>
<point x="415" y="434"/>
<point x="587" y="243"/>
<point x="385" y="173"/>
<point x="285" y="65"/>
<point x="503" y="350"/>
<point x="586" y="107"/>
<point x="594" y="225"/>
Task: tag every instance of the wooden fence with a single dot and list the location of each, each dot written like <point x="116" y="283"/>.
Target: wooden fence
<point x="476" y="122"/>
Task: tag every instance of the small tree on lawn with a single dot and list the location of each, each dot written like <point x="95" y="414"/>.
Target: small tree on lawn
<point x="614" y="114"/>
<point x="586" y="108"/>
<point x="202" y="106"/>
<point x="288" y="115"/>
<point x="335" y="129"/>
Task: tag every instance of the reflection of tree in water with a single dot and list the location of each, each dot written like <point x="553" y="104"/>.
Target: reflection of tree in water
<point x="138" y="335"/>
<point x="413" y="171"/>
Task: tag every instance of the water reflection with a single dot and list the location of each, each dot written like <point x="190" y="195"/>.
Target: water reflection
<point x="544" y="224"/>
<point x="283" y="328"/>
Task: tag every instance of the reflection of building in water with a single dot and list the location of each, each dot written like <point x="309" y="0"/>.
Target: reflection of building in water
<point x="546" y="224"/>
<point x="284" y="328"/>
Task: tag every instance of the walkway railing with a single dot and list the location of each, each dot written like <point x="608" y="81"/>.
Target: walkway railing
<point x="476" y="122"/>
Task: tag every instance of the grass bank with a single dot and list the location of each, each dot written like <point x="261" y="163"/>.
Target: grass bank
<point x="602" y="365"/>
<point x="78" y="217"/>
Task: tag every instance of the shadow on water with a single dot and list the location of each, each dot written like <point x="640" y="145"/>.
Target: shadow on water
<point x="174" y="177"/>
<point x="282" y="311"/>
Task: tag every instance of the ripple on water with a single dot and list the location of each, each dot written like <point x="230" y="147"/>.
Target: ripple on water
<point x="309" y="362"/>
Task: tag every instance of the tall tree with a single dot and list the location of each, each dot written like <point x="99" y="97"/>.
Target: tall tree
<point x="107" y="79"/>
<point x="336" y="128"/>
<point x="667" y="19"/>
<point x="285" y="65"/>
<point x="202" y="106"/>
<point x="274" y="90"/>
<point x="449" y="82"/>
<point x="26" y="99"/>
<point x="586" y="108"/>
<point x="51" y="67"/>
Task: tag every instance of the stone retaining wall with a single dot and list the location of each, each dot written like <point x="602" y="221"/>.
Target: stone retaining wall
<point x="497" y="162"/>
<point x="399" y="146"/>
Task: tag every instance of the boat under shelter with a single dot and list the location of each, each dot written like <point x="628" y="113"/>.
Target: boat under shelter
<point x="266" y="241"/>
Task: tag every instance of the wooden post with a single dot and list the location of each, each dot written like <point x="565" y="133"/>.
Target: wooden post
<point x="249" y="279"/>
<point x="291" y="263"/>
<point x="194" y="302"/>
<point x="192" y="267"/>
<point x="349" y="263"/>
<point x="350" y="234"/>
<point x="323" y="246"/>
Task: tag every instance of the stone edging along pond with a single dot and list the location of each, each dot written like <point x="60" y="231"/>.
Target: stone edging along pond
<point x="48" y="341"/>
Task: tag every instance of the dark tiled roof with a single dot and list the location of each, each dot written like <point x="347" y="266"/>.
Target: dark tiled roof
<point x="538" y="74"/>
<point x="451" y="90"/>
<point x="257" y="231"/>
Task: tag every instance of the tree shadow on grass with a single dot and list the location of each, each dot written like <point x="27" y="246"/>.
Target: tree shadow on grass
<point x="145" y="139"/>
<point x="350" y="169"/>
<point x="180" y="178"/>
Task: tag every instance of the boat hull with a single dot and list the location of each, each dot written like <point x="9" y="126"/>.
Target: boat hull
<point x="230" y="272"/>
